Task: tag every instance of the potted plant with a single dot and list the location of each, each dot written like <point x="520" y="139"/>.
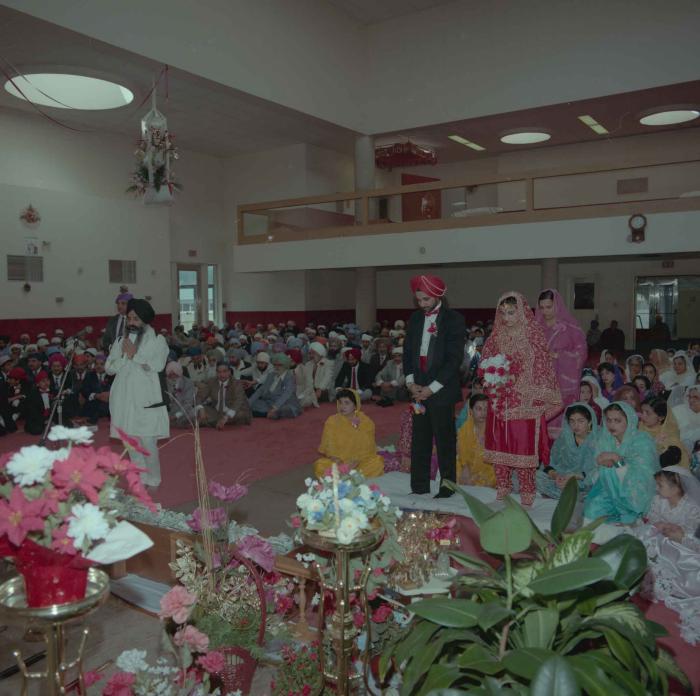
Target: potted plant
<point x="554" y="619"/>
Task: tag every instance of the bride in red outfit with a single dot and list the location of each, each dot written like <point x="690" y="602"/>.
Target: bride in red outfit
<point x="526" y="395"/>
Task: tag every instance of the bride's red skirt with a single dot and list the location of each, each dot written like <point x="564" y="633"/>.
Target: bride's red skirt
<point x="518" y="442"/>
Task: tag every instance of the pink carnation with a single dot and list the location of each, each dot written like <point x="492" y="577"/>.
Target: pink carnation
<point x="193" y="638"/>
<point x="358" y="619"/>
<point x="120" y="684"/>
<point x="177" y="604"/>
<point x="227" y="494"/>
<point x="213" y="662"/>
<point x="218" y="517"/>
<point x="295" y="521"/>
<point x="382" y="613"/>
<point x="258" y="550"/>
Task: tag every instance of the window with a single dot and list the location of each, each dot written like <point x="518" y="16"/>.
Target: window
<point x="25" y="268"/>
<point x="121" y="271"/>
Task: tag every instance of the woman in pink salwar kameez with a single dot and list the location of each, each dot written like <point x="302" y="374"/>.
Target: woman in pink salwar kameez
<point x="567" y="345"/>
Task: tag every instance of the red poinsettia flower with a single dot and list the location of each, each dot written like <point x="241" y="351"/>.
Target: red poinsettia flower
<point x="19" y="516"/>
<point x="132" y="444"/>
<point x="79" y="473"/>
<point x="62" y="542"/>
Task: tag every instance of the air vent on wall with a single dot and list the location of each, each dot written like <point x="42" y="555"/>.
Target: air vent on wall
<point x="626" y="186"/>
<point x="121" y="271"/>
<point x="25" y="268"/>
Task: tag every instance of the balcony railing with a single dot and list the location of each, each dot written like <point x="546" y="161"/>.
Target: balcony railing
<point x="582" y="193"/>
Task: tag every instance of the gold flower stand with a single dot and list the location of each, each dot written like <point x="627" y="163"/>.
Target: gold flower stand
<point x="51" y="621"/>
<point x="341" y="628"/>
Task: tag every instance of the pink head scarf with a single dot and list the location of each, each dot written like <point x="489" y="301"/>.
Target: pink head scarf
<point x="561" y="311"/>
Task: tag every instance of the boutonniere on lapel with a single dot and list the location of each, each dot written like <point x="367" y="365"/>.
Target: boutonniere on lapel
<point x="432" y="330"/>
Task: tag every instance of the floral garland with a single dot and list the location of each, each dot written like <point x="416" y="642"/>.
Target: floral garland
<point x="30" y="215"/>
<point x="160" y="149"/>
<point x="498" y="375"/>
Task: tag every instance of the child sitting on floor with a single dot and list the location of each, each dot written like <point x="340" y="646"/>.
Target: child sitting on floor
<point x="348" y="438"/>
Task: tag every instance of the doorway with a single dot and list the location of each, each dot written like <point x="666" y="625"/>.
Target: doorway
<point x="188" y="298"/>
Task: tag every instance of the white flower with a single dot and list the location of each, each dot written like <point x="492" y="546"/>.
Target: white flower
<point x="132" y="661"/>
<point x="361" y="519"/>
<point x="303" y="501"/>
<point x="316" y="506"/>
<point x="365" y="492"/>
<point x="31" y="464"/>
<point x="316" y="600"/>
<point x="346" y="505"/>
<point x="308" y="482"/>
<point x="79" y="436"/>
<point x="347" y="530"/>
<point x="87" y="522"/>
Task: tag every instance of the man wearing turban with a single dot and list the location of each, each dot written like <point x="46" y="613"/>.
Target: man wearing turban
<point x="136" y="398"/>
<point x="433" y="351"/>
<point x="354" y="374"/>
<point x="116" y="324"/>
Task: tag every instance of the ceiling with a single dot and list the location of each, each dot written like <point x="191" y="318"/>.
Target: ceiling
<point x="205" y="116"/>
<point x="375" y="11"/>
<point x="619" y="113"/>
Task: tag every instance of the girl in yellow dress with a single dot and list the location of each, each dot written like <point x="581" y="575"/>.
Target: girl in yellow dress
<point x="472" y="470"/>
<point x="348" y="438"/>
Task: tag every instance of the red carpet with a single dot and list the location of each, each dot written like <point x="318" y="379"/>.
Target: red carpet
<point x="258" y="451"/>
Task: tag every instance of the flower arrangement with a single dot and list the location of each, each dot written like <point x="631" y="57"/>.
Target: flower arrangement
<point x="30" y="215"/>
<point x="191" y="671"/>
<point x="300" y="672"/>
<point x="59" y="512"/>
<point x="341" y="504"/>
<point x="154" y="156"/>
<point x="498" y="376"/>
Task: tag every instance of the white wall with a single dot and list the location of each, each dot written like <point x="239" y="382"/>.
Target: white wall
<point x="77" y="181"/>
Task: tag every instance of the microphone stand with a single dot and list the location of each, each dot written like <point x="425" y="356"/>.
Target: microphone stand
<point x="58" y="402"/>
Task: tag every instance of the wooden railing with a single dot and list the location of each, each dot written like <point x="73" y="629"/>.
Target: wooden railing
<point x="661" y="186"/>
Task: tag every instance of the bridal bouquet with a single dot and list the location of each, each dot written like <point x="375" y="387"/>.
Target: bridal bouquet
<point x="59" y="512"/>
<point x="343" y="503"/>
<point x="498" y="375"/>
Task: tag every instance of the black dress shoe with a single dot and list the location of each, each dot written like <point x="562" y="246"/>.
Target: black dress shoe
<point x="426" y="491"/>
<point x="444" y="493"/>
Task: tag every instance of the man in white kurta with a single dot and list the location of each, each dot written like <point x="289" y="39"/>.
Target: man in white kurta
<point x="135" y="399"/>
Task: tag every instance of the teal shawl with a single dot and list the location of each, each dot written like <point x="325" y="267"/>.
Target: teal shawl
<point x="624" y="494"/>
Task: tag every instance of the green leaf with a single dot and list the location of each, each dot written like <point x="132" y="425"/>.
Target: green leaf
<point x="525" y="662"/>
<point x="555" y="678"/>
<point x="419" y="666"/>
<point x="385" y="662"/>
<point x="507" y="532"/>
<point x="471" y="562"/>
<point x="524" y="574"/>
<point x="492" y="614"/>
<point x="439" y="677"/>
<point x="480" y="582"/>
<point x="626" y="619"/>
<point x="649" y="663"/>
<point x="620" y="647"/>
<point x="621" y="676"/>
<point x="572" y="548"/>
<point x="542" y="539"/>
<point x="656" y="629"/>
<point x="627" y="559"/>
<point x="669" y="666"/>
<point x="592" y="678"/>
<point x="416" y="639"/>
<point x="478" y="659"/>
<point x="572" y="576"/>
<point x="454" y="613"/>
<point x="479" y="511"/>
<point x="602" y="600"/>
<point x="539" y="627"/>
<point x="565" y="508"/>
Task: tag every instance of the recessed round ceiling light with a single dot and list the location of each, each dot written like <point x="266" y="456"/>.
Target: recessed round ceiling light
<point x="70" y="91"/>
<point x="525" y="137"/>
<point x="669" y="118"/>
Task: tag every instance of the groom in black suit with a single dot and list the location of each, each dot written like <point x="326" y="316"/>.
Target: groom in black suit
<point x="432" y="353"/>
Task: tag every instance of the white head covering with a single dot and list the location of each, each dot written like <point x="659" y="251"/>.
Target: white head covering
<point x="399" y="324"/>
<point x="691" y="486"/>
<point x="318" y="348"/>
<point x="397" y="350"/>
<point x="56" y="341"/>
<point x="366" y="337"/>
<point x="262" y="356"/>
<point x="42" y="342"/>
<point x="595" y="388"/>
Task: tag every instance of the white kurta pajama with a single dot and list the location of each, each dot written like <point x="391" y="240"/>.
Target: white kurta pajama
<point x="136" y="386"/>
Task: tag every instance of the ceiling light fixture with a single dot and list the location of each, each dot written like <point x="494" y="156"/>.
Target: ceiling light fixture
<point x="669" y="117"/>
<point x="64" y="91"/>
<point x="467" y="143"/>
<point x="525" y="137"/>
<point x="593" y="125"/>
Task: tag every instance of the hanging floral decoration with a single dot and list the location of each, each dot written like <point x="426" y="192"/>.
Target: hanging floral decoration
<point x="154" y="178"/>
<point x="30" y="215"/>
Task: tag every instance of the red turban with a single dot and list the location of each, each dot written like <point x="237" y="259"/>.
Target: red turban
<point x="430" y="285"/>
<point x="40" y="376"/>
<point x="295" y="355"/>
<point x="58" y="357"/>
<point x="81" y="359"/>
<point x="18" y="373"/>
<point x="355" y="352"/>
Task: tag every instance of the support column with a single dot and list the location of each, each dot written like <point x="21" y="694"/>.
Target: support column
<point x="365" y="297"/>
<point x="549" y="274"/>
<point x="364" y="177"/>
